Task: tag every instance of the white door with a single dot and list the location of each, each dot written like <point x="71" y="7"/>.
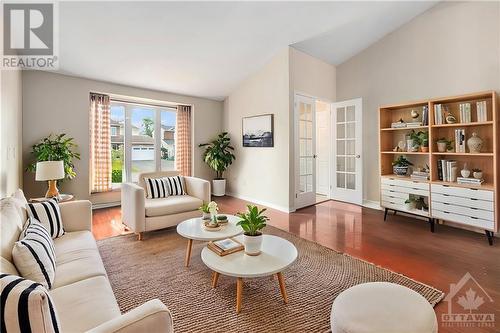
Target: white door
<point x="347" y="161"/>
<point x="323" y="148"/>
<point x="305" y="166"/>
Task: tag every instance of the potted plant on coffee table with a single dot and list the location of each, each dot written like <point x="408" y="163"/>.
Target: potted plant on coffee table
<point x="205" y="212"/>
<point x="218" y="155"/>
<point x="252" y="222"/>
<point x="400" y="166"/>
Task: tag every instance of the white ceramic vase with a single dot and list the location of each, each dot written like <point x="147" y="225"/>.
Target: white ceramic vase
<point x="441" y="147"/>
<point x="253" y="244"/>
<point x="465" y="173"/>
<point x="219" y="187"/>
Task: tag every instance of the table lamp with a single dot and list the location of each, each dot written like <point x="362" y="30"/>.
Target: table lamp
<point x="50" y="171"/>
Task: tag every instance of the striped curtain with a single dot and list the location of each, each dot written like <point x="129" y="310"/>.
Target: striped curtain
<point x="183" y="140"/>
<point x="100" y="143"/>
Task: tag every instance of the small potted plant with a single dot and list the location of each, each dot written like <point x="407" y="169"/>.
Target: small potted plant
<point x="423" y="140"/>
<point x="420" y="204"/>
<point x="205" y="212"/>
<point x="252" y="222"/>
<point x="441" y="145"/>
<point x="477" y="173"/>
<point x="400" y="166"/>
<point x="410" y="203"/>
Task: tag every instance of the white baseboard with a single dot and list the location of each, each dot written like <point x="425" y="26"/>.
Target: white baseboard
<point x="372" y="204"/>
<point x="106" y="205"/>
<point x="260" y="202"/>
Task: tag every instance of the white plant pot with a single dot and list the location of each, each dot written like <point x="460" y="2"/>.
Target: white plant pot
<point x="219" y="187"/>
<point x="478" y="175"/>
<point x="206" y="216"/>
<point x="253" y="244"/>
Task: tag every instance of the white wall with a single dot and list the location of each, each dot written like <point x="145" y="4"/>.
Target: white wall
<point x="54" y="103"/>
<point x="10" y="132"/>
<point x="261" y="174"/>
<point x="453" y="48"/>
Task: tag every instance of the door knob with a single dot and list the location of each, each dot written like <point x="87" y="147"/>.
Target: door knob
<point x="314" y="156"/>
<point x="358" y="156"/>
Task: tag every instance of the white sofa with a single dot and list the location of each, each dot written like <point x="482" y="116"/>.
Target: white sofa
<point x="142" y="214"/>
<point x="82" y="295"/>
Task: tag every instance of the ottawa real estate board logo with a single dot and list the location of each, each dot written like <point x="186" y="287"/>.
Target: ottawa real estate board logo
<point x="29" y="35"/>
<point x="467" y="302"/>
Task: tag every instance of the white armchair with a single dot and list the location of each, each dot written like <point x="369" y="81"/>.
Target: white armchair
<point x="143" y="214"/>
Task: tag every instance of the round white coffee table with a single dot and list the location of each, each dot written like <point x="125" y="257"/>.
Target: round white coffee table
<point x="193" y="229"/>
<point x="276" y="255"/>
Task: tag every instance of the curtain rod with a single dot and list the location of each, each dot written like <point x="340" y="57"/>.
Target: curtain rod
<point x="143" y="103"/>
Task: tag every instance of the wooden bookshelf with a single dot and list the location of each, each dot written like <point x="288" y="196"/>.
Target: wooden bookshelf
<point x="486" y="160"/>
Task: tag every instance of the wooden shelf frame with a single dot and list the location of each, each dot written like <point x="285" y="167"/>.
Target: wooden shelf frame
<point x="488" y="160"/>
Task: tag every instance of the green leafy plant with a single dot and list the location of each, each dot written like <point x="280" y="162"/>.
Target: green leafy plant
<point x="401" y="161"/>
<point x="56" y="148"/>
<point x="204" y="208"/>
<point x="477" y="170"/>
<point x="252" y="221"/>
<point x="410" y="200"/>
<point x="218" y="154"/>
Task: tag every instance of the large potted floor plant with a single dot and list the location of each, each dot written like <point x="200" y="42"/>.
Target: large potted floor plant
<point x="218" y="155"/>
<point x="252" y="222"/>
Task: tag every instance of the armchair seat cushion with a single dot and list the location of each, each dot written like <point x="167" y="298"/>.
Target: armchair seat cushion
<point x="171" y="205"/>
<point x="85" y="304"/>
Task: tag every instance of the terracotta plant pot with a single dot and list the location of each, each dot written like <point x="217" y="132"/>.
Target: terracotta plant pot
<point x="424" y="149"/>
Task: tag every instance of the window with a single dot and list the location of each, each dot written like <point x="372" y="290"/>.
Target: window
<point x="142" y="140"/>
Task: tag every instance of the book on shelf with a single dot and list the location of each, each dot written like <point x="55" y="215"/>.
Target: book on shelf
<point x="465" y="112"/>
<point x="438" y="114"/>
<point x="481" y="110"/>
<point x="225" y="246"/>
<point x="414" y="124"/>
<point x="460" y="140"/>
<point x="398" y="125"/>
<point x="445" y="170"/>
<point x="462" y="180"/>
<point x="425" y="115"/>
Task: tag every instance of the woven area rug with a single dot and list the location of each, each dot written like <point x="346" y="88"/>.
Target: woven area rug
<point x="154" y="268"/>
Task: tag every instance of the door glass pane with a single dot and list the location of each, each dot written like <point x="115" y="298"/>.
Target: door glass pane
<point x="302" y="111"/>
<point x="309" y="131"/>
<point x="351" y="181"/>
<point x="305" y="147"/>
<point x="168" y="122"/>
<point x="309" y="147"/>
<point x="340" y="180"/>
<point x="350" y="114"/>
<point x="117" y="144"/>
<point x="340" y="115"/>
<point x="340" y="147"/>
<point x="340" y="163"/>
<point x="302" y="166"/>
<point x="350" y="147"/>
<point x="350" y="131"/>
<point x="309" y="164"/>
<point x="340" y="131"/>
<point x="302" y="147"/>
<point x="309" y="184"/>
<point x="350" y="164"/>
<point x="309" y="112"/>
<point x="302" y="129"/>
<point x="302" y="184"/>
<point x="143" y="144"/>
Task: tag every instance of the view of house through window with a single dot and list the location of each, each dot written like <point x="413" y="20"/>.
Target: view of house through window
<point x="136" y="146"/>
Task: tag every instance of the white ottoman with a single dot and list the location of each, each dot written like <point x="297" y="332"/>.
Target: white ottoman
<point x="382" y="307"/>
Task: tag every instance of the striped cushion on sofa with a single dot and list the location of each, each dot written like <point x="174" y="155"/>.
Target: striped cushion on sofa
<point x="176" y="185"/>
<point x="34" y="254"/>
<point x="48" y="214"/>
<point x="26" y="306"/>
<point x="156" y="188"/>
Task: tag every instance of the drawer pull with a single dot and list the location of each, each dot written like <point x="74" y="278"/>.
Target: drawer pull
<point x="473" y="189"/>
<point x="474" y="199"/>
<point x="446" y="185"/>
<point x="445" y="203"/>
<point x="473" y="208"/>
<point x="446" y="212"/>
<point x="445" y="195"/>
<point x="474" y="218"/>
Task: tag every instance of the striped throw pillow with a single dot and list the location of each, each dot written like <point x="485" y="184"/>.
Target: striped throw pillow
<point x="48" y="214"/>
<point x="176" y="185"/>
<point x="156" y="188"/>
<point x="34" y="254"/>
<point x="26" y="306"/>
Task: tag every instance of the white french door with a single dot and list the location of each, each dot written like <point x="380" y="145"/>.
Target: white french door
<point x="305" y="161"/>
<point x="347" y="161"/>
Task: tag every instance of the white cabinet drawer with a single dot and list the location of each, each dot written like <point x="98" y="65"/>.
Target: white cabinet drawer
<point x="473" y="212"/>
<point x="394" y="199"/>
<point x="462" y="192"/>
<point x="475" y="222"/>
<point x="460" y="201"/>
<point x="407" y="190"/>
<point x="393" y="193"/>
<point x="402" y="208"/>
<point x="405" y="183"/>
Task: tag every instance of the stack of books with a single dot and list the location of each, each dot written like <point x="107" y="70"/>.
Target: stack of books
<point x="225" y="246"/>
<point x="460" y="140"/>
<point x="438" y="114"/>
<point x="398" y="124"/>
<point x="465" y="114"/>
<point x="444" y="168"/>
<point x="472" y="181"/>
<point x="414" y="124"/>
<point x="420" y="175"/>
<point x="481" y="111"/>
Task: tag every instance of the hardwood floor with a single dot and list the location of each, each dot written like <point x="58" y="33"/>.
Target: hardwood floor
<point x="402" y="244"/>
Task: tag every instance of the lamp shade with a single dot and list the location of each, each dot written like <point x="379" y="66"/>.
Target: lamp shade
<point x="49" y="170"/>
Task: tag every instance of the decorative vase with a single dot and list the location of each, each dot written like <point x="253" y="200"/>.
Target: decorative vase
<point x="400" y="170"/>
<point x="441" y="146"/>
<point x="409" y="145"/>
<point x="219" y="187"/>
<point x="213" y="220"/>
<point x="253" y="244"/>
<point x="477" y="174"/>
<point x="465" y="172"/>
<point x="475" y="143"/>
<point x="205" y="216"/>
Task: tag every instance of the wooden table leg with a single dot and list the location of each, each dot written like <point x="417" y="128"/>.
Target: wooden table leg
<point x="239" y="292"/>
<point x="215" y="278"/>
<point x="188" y="252"/>
<point x="281" y="281"/>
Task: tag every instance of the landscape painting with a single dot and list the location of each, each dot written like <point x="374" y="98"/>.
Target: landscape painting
<point x="258" y="131"/>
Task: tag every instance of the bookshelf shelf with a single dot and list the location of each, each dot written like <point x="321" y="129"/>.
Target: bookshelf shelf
<point x="473" y="107"/>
